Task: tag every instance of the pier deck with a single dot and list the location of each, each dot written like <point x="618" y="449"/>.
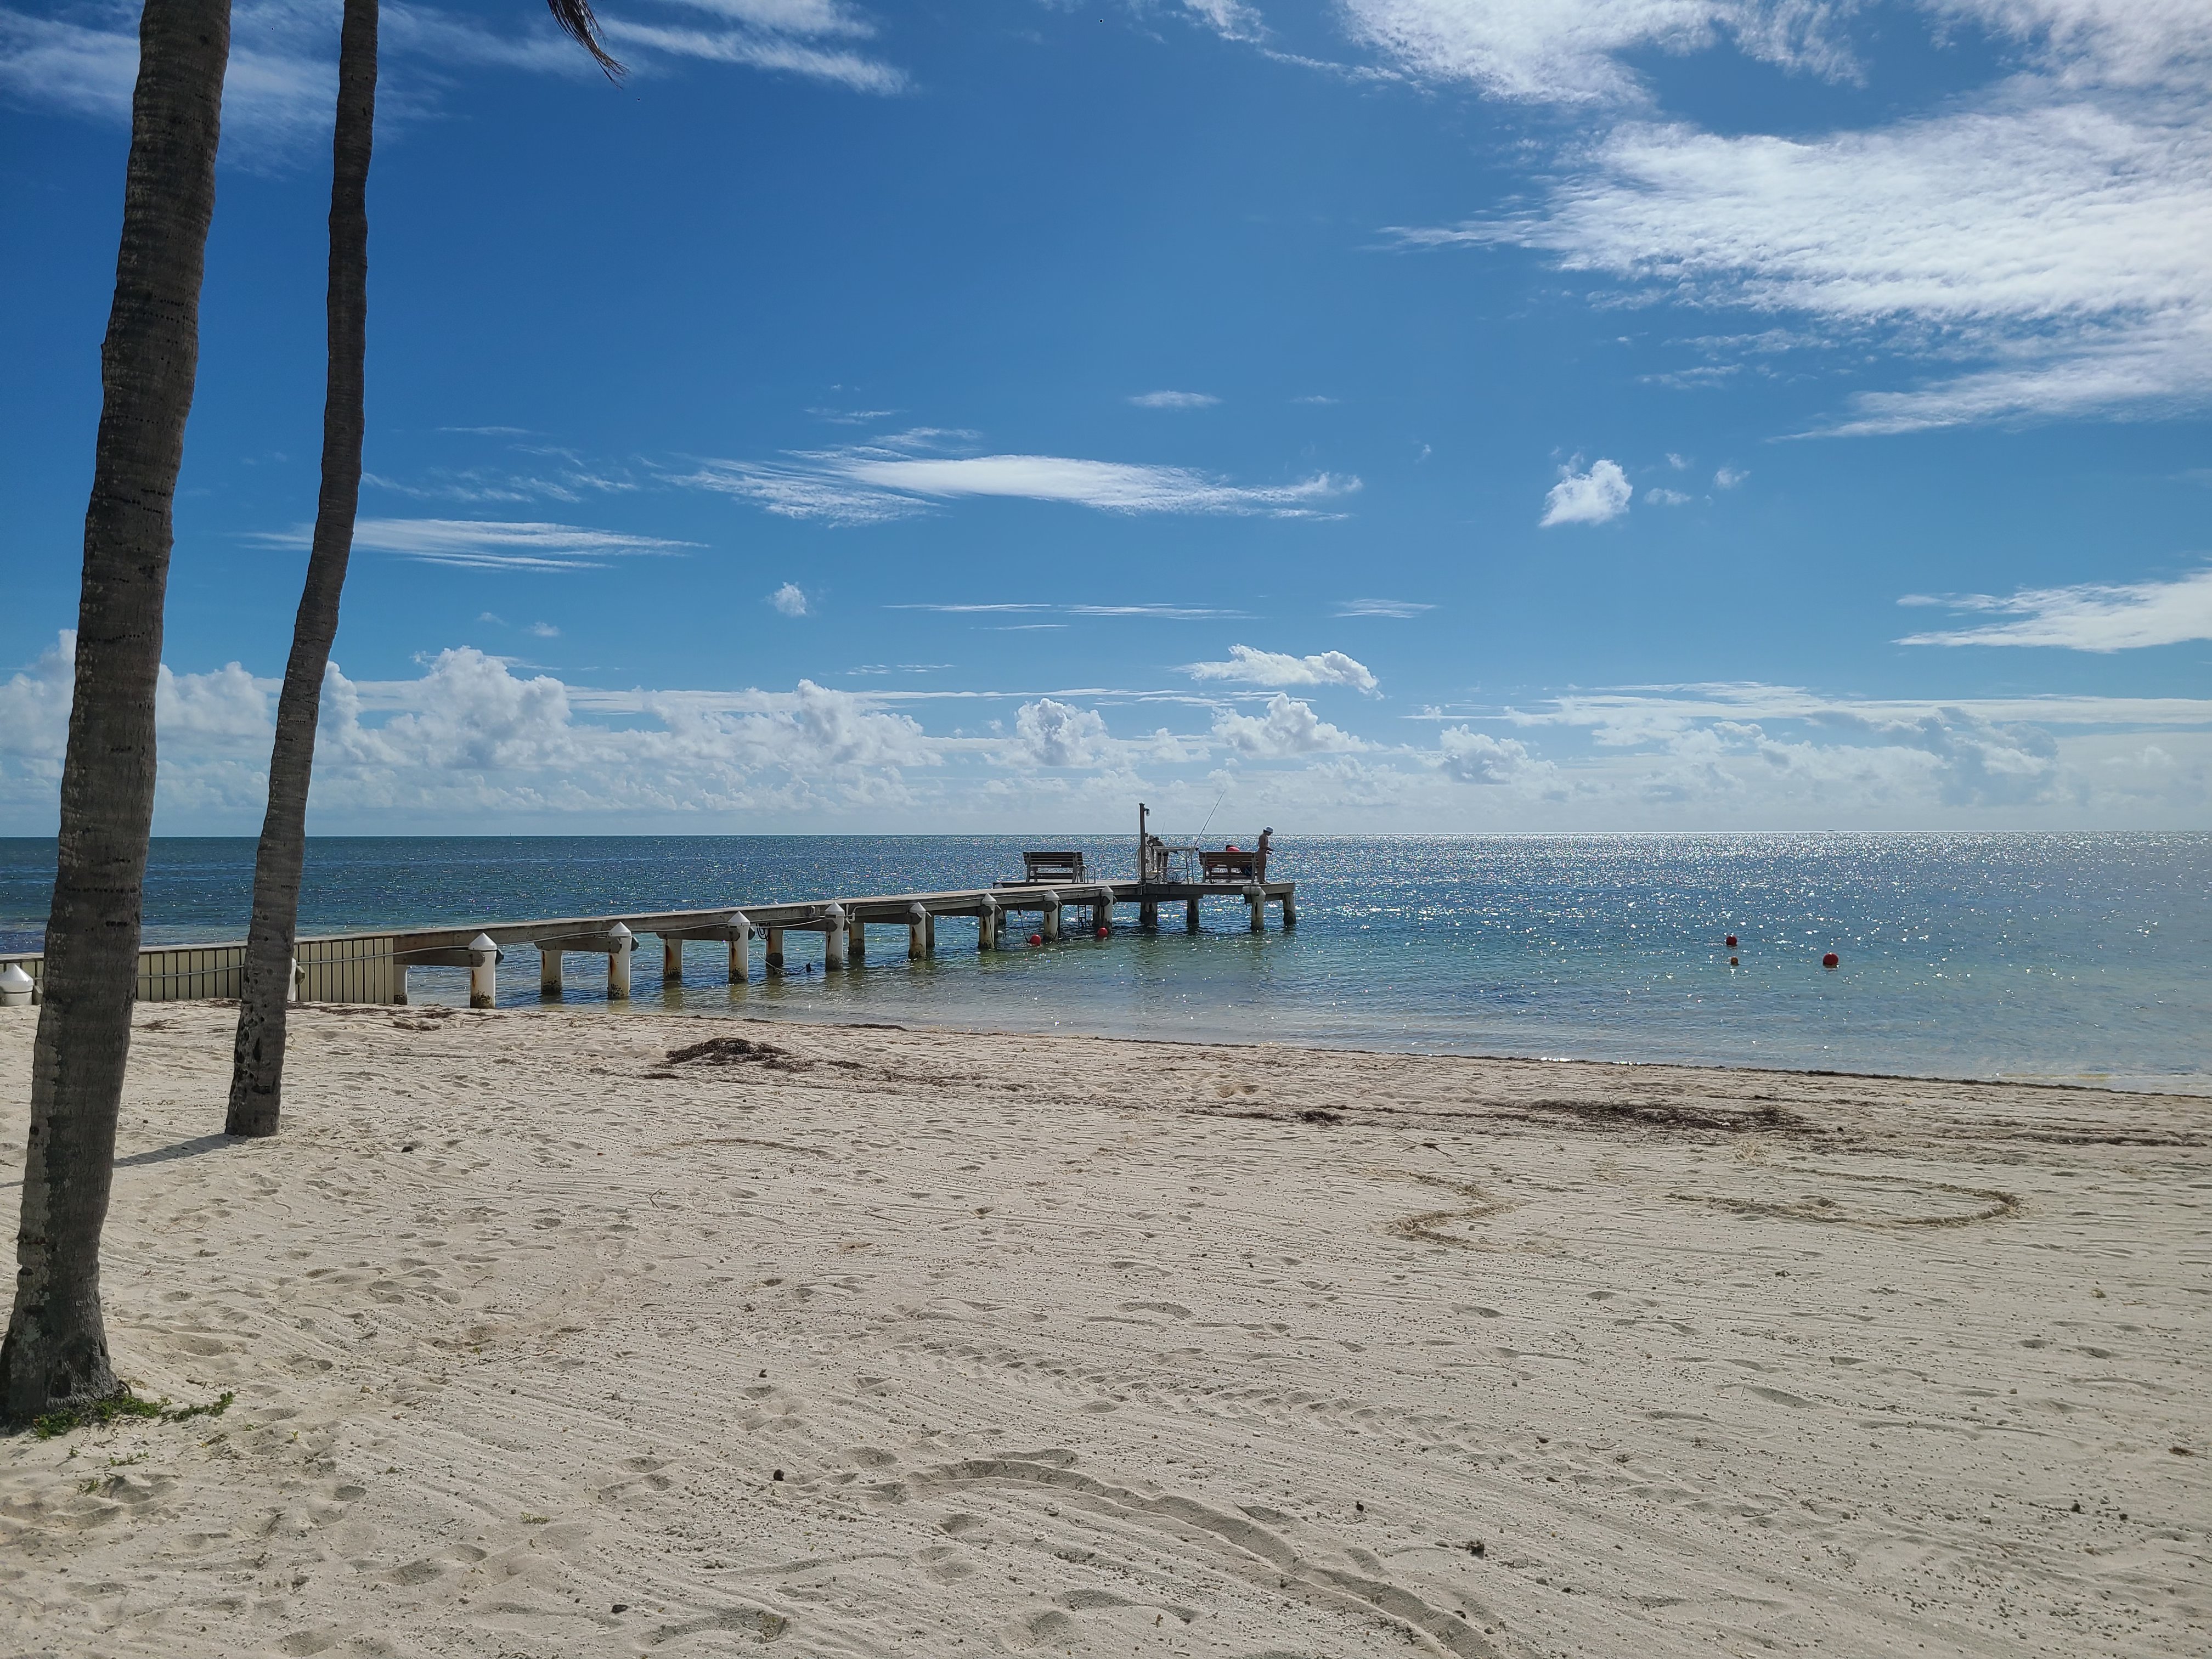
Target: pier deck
<point x="372" y="967"/>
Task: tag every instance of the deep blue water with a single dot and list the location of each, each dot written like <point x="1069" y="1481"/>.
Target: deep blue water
<point x="2064" y="957"/>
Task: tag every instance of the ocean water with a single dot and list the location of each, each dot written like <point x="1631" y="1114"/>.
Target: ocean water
<point x="2060" y="958"/>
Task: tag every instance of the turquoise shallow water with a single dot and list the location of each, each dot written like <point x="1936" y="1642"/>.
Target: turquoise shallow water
<point x="2072" y="958"/>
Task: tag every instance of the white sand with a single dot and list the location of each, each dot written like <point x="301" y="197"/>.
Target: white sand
<point x="1100" y="1347"/>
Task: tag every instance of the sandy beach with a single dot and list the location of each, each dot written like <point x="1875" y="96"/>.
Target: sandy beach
<point x="886" y="1341"/>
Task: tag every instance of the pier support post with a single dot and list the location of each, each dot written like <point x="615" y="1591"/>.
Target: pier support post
<point x="1290" y="910"/>
<point x="833" y="937"/>
<point x="1190" y="914"/>
<point x="483" y="972"/>
<point x="741" y="953"/>
<point x="1256" y="898"/>
<point x="775" y="954"/>
<point x="987" y="925"/>
<point x="856" y="938"/>
<point x="620" y="942"/>
<point x="548" y="971"/>
<point x="1051" y="928"/>
<point x="1148" y="915"/>
<point x="671" y="960"/>
<point x="917" y="933"/>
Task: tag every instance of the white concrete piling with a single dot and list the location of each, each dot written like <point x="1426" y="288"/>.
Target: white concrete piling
<point x="16" y="987"/>
<point x="987" y="923"/>
<point x="773" y="957"/>
<point x="741" y="951"/>
<point x="620" y="942"/>
<point x="671" y="960"/>
<point x="1051" y="928"/>
<point x="549" y="970"/>
<point x="833" y="936"/>
<point x="917" y="933"/>
<point x="483" y="972"/>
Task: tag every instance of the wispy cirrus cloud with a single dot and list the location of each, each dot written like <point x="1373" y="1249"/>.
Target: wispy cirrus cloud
<point x="484" y="545"/>
<point x="876" y="484"/>
<point x="2041" y="249"/>
<point x="1175" y="400"/>
<point x="1255" y="667"/>
<point x="1398" y="608"/>
<point x="2091" y="617"/>
<point x="1022" y="607"/>
<point x="81" y="56"/>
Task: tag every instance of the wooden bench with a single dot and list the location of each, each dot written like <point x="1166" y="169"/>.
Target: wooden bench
<point x="1042" y="868"/>
<point x="1225" y="868"/>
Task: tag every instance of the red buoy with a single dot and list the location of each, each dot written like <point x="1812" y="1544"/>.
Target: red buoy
<point x="1102" y="932"/>
<point x="1729" y="941"/>
<point x="1831" y="960"/>
<point x="1036" y="939"/>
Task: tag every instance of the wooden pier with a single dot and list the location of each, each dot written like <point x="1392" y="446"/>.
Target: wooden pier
<point x="372" y="966"/>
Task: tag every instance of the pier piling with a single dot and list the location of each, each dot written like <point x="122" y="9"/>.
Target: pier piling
<point x="483" y="972"/>
<point x="741" y="939"/>
<point x="774" y="953"/>
<point x="620" y="942"/>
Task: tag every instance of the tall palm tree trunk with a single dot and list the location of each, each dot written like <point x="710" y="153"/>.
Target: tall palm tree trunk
<point x="256" y="1076"/>
<point x="56" y="1350"/>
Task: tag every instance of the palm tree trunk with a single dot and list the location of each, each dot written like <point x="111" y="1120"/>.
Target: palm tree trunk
<point x="56" y="1350"/>
<point x="256" y="1076"/>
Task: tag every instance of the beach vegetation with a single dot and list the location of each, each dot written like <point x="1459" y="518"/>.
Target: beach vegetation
<point x="117" y="1407"/>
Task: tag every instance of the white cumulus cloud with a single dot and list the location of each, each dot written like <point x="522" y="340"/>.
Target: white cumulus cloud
<point x="1047" y="733"/>
<point x="1255" y="667"/>
<point x="1288" y="728"/>
<point x="1596" y="496"/>
<point x="790" y="600"/>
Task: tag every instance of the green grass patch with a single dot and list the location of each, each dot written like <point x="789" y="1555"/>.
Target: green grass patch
<point x="100" y="1413"/>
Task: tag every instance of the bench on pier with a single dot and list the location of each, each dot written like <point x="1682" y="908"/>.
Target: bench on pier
<point x="1224" y="868"/>
<point x="1042" y="869"/>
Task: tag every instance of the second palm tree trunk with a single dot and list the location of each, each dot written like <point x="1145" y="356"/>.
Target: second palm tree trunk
<point x="256" y="1079"/>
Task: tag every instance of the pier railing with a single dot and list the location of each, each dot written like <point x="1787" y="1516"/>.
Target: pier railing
<point x="372" y="967"/>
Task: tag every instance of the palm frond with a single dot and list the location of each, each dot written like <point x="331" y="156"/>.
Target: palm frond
<point x="578" y="22"/>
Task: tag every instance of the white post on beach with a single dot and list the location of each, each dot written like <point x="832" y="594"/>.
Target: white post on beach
<point x="1256" y="896"/>
<point x="671" y="960"/>
<point x="14" y="987"/>
<point x="987" y="924"/>
<point x="549" y="970"/>
<point x="1051" y="928"/>
<point x="620" y="942"/>
<point x="917" y="933"/>
<point x="741" y="953"/>
<point x="772" y="959"/>
<point x="833" y="937"/>
<point x="483" y="972"/>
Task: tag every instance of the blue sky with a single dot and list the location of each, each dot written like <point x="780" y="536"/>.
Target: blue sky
<point x="1410" y="414"/>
